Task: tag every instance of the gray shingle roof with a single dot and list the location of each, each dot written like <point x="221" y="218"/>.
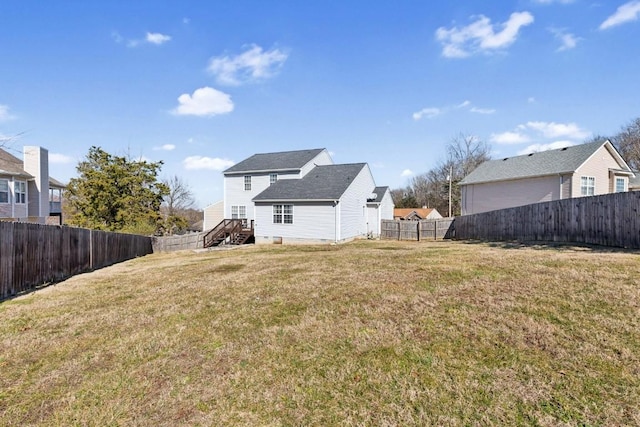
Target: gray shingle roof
<point x="11" y="165"/>
<point x="551" y="162"/>
<point x="286" y="160"/>
<point x="379" y="192"/>
<point x="327" y="182"/>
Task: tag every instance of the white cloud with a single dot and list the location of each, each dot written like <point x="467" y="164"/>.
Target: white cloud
<point x="150" y="38"/>
<point x="117" y="37"/>
<point x="557" y="130"/>
<point x="205" y="101"/>
<point x="157" y="38"/>
<point x="482" y="110"/>
<point x="509" y="138"/>
<point x="250" y="66"/>
<point x="481" y="36"/>
<point x="406" y="173"/>
<point x="628" y="12"/>
<point x="536" y="130"/>
<point x="432" y="112"/>
<point x="429" y="113"/>
<point x="60" y="159"/>
<point x="208" y="163"/>
<point x="4" y="114"/>
<point x="165" y="147"/>
<point x="567" y="40"/>
<point x="536" y="148"/>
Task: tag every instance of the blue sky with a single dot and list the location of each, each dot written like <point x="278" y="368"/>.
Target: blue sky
<point x="203" y="84"/>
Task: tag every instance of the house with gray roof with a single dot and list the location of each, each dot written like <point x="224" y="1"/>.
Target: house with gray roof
<point x="302" y="196"/>
<point x="27" y="192"/>
<point x="577" y="171"/>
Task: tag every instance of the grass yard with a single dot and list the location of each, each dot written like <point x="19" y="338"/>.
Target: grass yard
<point x="366" y="333"/>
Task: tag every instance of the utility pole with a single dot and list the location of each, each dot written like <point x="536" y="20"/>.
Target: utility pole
<point x="450" y="173"/>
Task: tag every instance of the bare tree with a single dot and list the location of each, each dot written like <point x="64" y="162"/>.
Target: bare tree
<point x="176" y="205"/>
<point x="431" y="189"/>
<point x="180" y="196"/>
<point x="628" y="144"/>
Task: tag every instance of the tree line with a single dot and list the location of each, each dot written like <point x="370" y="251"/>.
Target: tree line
<point x="439" y="187"/>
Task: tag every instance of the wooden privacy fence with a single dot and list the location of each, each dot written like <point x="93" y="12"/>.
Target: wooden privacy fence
<point x="608" y="220"/>
<point x="178" y="243"/>
<point x="32" y="255"/>
<point x="426" y="229"/>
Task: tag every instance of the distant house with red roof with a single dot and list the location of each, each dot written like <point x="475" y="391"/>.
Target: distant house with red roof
<point x="415" y="214"/>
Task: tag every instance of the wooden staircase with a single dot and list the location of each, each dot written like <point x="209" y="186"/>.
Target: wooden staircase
<point x="229" y="232"/>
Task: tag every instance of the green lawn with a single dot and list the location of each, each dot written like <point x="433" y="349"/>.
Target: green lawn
<point x="366" y="333"/>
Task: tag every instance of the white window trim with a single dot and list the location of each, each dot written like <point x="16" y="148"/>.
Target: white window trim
<point x="624" y="185"/>
<point x="16" y="192"/>
<point x="281" y="214"/>
<point x="240" y="212"/>
<point x="273" y="178"/>
<point x="584" y="188"/>
<point x="247" y="182"/>
<point x="8" y="192"/>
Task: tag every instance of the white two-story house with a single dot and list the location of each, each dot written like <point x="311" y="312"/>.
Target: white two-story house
<point x="302" y="196"/>
<point x="27" y="192"/>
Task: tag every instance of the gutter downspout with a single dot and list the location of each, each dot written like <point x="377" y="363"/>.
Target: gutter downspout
<point x="336" y="230"/>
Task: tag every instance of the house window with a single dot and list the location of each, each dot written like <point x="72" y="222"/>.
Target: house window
<point x="273" y="178"/>
<point x="238" y="212"/>
<point x="283" y="214"/>
<point x="247" y="183"/>
<point x="587" y="185"/>
<point x="4" y="191"/>
<point x="20" y="189"/>
<point x="620" y="185"/>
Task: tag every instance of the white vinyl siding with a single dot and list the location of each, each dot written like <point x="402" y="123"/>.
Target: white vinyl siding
<point x="320" y="160"/>
<point x="486" y="197"/>
<point x="587" y="185"/>
<point x="353" y="205"/>
<point x="4" y="191"/>
<point x="312" y="222"/>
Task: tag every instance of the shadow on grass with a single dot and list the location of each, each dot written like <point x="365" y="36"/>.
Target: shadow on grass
<point x="548" y="245"/>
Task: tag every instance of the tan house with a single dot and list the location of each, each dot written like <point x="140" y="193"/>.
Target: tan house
<point x="581" y="170"/>
<point x="415" y="214"/>
<point x="27" y="192"/>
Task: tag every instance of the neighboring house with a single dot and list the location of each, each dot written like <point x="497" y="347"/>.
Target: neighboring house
<point x="27" y="193"/>
<point x="301" y="196"/>
<point x="634" y="182"/>
<point x="213" y="214"/>
<point x="581" y="170"/>
<point x="415" y="214"/>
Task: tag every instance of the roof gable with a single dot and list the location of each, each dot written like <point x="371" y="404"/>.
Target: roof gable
<point x="326" y="182"/>
<point x="379" y="193"/>
<point x="551" y="162"/>
<point x="283" y="161"/>
<point x="410" y="212"/>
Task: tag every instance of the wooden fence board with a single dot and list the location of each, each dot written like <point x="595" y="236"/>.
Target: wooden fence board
<point x="608" y="220"/>
<point x="33" y="254"/>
